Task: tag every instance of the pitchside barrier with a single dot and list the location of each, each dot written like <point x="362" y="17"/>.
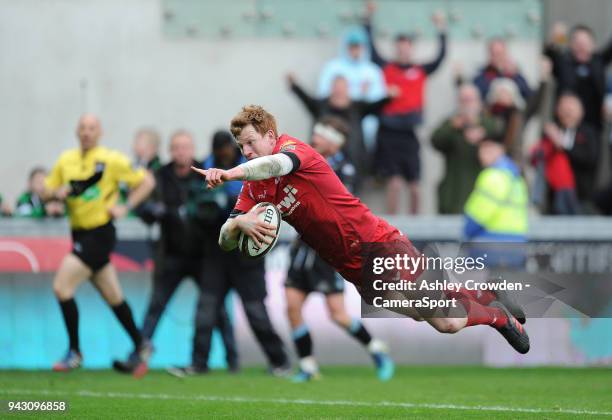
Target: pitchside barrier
<point x="32" y="334"/>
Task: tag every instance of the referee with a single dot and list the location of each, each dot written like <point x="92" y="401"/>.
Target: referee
<point x="88" y="179"/>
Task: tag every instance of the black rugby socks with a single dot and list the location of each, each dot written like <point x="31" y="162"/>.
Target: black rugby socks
<point x="124" y="315"/>
<point x="71" y="319"/>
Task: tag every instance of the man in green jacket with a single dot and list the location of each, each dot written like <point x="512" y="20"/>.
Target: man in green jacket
<point x="30" y="202"/>
<point x="457" y="139"/>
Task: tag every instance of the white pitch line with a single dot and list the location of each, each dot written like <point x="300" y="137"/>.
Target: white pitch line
<point x="248" y="400"/>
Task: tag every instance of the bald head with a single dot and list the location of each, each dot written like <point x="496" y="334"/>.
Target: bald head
<point x="182" y="148"/>
<point x="89" y="131"/>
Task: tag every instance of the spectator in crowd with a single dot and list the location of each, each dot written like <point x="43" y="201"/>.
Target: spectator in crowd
<point x="569" y="151"/>
<point x="340" y="104"/>
<point x="457" y="139"/>
<point x="5" y="209"/>
<point x="146" y="155"/>
<point x="146" y="149"/>
<point x="397" y="145"/>
<point x="500" y="65"/>
<point x="580" y="69"/>
<point x="31" y="203"/>
<point x="603" y="200"/>
<point x="603" y="197"/>
<point x="496" y="210"/>
<point x="504" y="101"/>
<point x="226" y="270"/>
<point x="364" y="79"/>
<point x="175" y="204"/>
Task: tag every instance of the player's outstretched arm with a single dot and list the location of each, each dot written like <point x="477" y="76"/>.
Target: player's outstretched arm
<point x="257" y="169"/>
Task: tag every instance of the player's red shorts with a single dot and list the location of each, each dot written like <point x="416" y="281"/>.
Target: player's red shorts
<point x="387" y="241"/>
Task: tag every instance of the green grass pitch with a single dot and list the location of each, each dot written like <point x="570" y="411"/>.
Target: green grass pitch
<point x="343" y="392"/>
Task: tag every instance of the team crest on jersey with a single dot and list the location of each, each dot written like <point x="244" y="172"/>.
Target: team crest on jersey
<point x="289" y="202"/>
<point x="287" y="146"/>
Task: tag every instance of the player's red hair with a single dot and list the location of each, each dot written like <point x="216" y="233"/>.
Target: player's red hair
<point x="255" y="115"/>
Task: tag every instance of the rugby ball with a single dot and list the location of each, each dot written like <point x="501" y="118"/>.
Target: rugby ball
<point x="270" y="215"/>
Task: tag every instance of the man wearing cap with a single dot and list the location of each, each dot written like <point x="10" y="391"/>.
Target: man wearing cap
<point x="397" y="145"/>
<point x="308" y="272"/>
<point x="365" y="80"/>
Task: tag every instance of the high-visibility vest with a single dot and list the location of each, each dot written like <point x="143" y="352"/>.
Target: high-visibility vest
<point x="499" y="203"/>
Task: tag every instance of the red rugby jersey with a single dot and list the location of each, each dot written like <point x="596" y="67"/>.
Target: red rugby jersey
<point x="411" y="83"/>
<point x="314" y="201"/>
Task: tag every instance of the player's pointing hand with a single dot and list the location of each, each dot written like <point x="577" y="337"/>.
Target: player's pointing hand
<point x="214" y="177"/>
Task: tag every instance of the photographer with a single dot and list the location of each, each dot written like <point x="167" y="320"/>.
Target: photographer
<point x="183" y="207"/>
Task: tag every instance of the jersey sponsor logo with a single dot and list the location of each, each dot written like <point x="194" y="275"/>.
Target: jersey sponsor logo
<point x="289" y="203"/>
<point x="91" y="193"/>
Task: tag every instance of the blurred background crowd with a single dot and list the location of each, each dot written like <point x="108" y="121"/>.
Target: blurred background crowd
<point x="384" y="100"/>
<point x="438" y="100"/>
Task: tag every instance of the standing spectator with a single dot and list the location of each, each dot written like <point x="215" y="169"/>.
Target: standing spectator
<point x="340" y="104"/>
<point x="570" y="151"/>
<point x="365" y="80"/>
<point x="603" y="197"/>
<point x="552" y="163"/>
<point x="5" y="209"/>
<point x="581" y="69"/>
<point x="397" y="145"/>
<point x="496" y="210"/>
<point x="146" y="149"/>
<point x="226" y="270"/>
<point x="31" y="203"/>
<point x="180" y="204"/>
<point x="504" y="101"/>
<point x="500" y="64"/>
<point x="457" y="139"/>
